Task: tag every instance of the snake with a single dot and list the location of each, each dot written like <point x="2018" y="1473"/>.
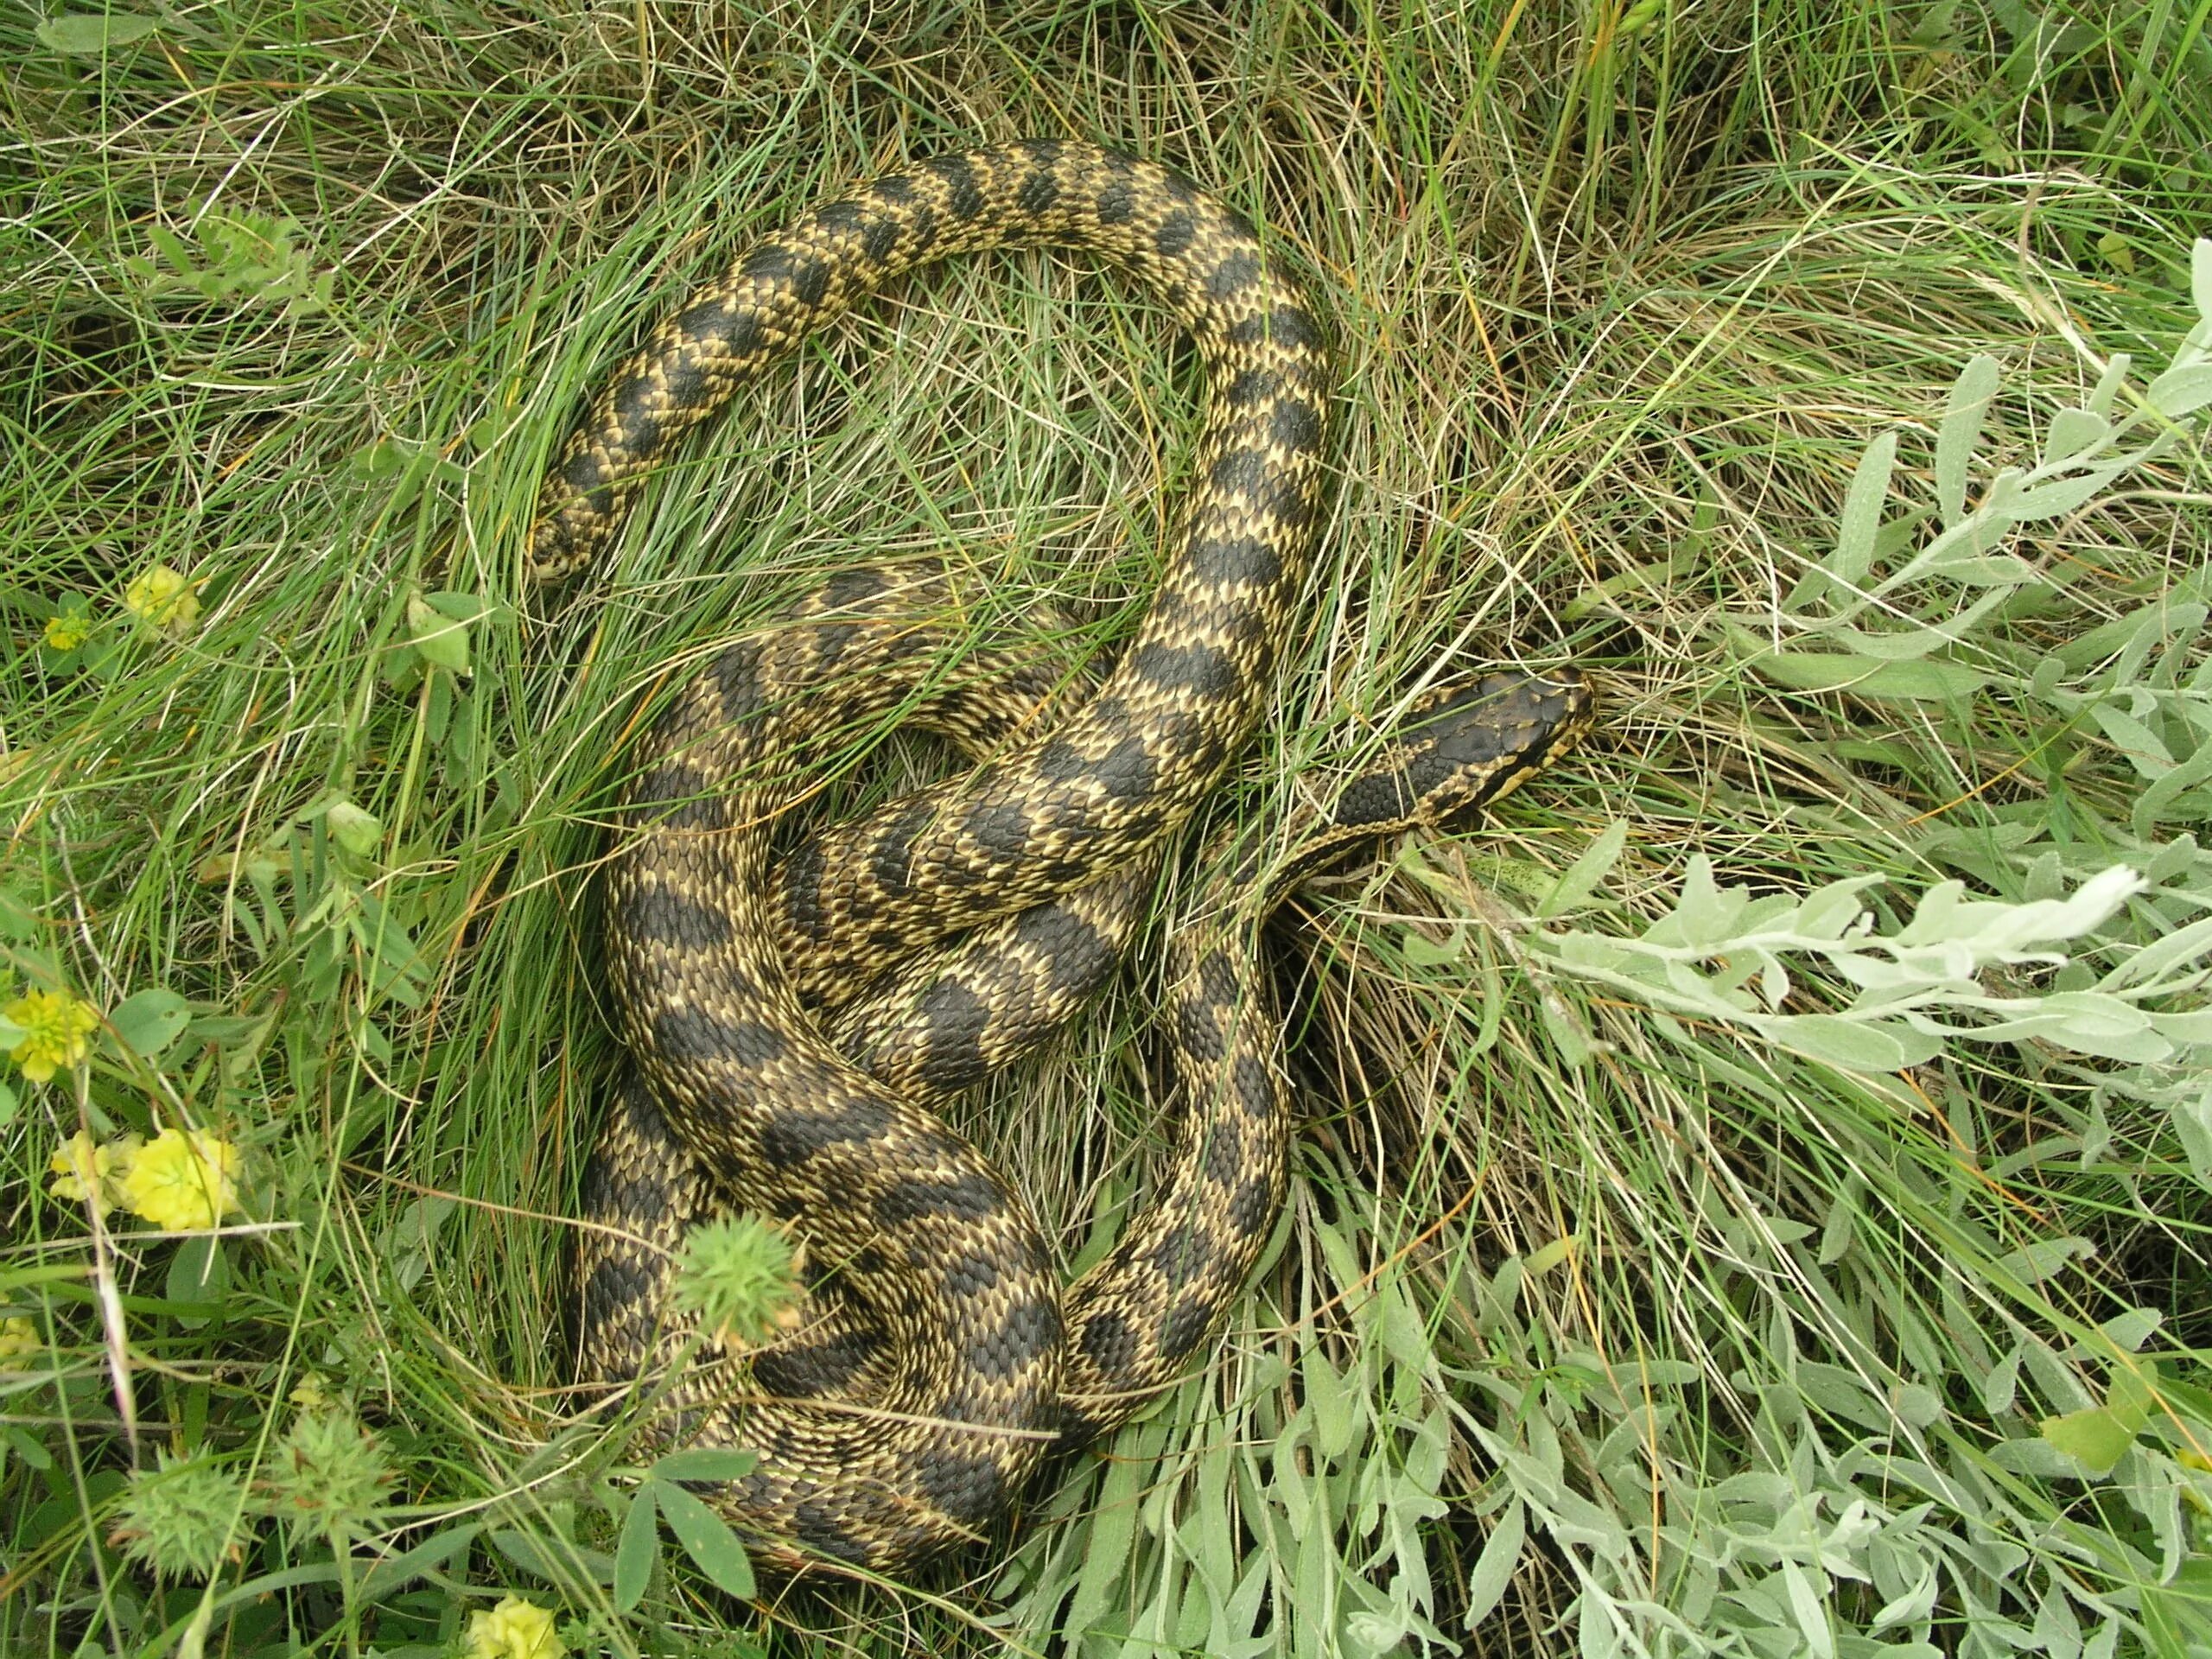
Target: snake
<point x="798" y="1006"/>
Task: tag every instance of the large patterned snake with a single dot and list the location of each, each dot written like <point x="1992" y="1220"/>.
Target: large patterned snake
<point x="794" y="1011"/>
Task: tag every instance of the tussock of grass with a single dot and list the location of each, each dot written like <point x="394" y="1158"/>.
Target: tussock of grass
<point x="1587" y="1319"/>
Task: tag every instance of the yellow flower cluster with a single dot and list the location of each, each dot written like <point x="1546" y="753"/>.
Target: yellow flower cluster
<point x="18" y="1336"/>
<point x="67" y="630"/>
<point x="181" y="1180"/>
<point x="56" y="1032"/>
<point x="162" y="598"/>
<point x="514" y="1629"/>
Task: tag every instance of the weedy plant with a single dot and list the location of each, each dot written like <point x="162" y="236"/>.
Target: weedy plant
<point x="1755" y="1196"/>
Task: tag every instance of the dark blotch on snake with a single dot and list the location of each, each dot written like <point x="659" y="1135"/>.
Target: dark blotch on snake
<point x="1193" y="670"/>
<point x="1236" y="273"/>
<point x="693" y="1033"/>
<point x="1235" y="562"/>
<point x="1029" y="1329"/>
<point x="1040" y="191"/>
<point x="661" y="914"/>
<point x="1185" y="1325"/>
<point x="956" y="1019"/>
<point x="1115" y="203"/>
<point x="816" y="1369"/>
<point x="971" y="1489"/>
<point x="1296" y="427"/>
<point x="796" y="1133"/>
<point x="809" y="279"/>
<point x="892" y="862"/>
<point x="969" y="1196"/>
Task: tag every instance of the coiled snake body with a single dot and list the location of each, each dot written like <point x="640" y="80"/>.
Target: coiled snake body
<point x="791" y="1021"/>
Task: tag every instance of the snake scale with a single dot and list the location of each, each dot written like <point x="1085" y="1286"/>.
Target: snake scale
<point x="795" y="1012"/>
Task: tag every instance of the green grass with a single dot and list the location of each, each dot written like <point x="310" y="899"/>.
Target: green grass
<point x="1604" y="1307"/>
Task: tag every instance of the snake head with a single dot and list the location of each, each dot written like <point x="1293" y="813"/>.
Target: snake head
<point x="1465" y="746"/>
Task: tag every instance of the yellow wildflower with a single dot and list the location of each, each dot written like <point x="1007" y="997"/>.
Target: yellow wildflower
<point x="162" y="598"/>
<point x="182" y="1180"/>
<point x="82" y="1170"/>
<point x="514" y="1629"/>
<point x="18" y="1336"/>
<point x="67" y="631"/>
<point x="57" y="1031"/>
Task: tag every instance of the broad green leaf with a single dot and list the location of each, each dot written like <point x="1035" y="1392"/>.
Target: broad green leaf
<point x="2131" y="1395"/>
<point x="150" y="1021"/>
<point x="635" y="1554"/>
<point x="462" y="607"/>
<point x="88" y="34"/>
<point x="357" y="832"/>
<point x="2200" y="276"/>
<point x="1545" y="1257"/>
<point x="2108" y="384"/>
<point x="2095" y="1439"/>
<point x="9" y="1103"/>
<point x="16" y="921"/>
<point x="2064" y="494"/>
<point x="441" y="640"/>
<point x="706" y="1538"/>
<point x="706" y="1463"/>
<point x="200" y="1271"/>
<point x="1961" y="430"/>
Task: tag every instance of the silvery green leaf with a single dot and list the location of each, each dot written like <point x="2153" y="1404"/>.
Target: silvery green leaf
<point x="1960" y="429"/>
<point x="2164" y="793"/>
<point x="1582" y="877"/>
<point x="1913" y="1606"/>
<point x="1847" y="1046"/>
<point x="2193" y="1125"/>
<point x="2200" y="276"/>
<point x="2144" y="748"/>
<point x="1830" y="912"/>
<point x="1493" y="1573"/>
<point x="2108" y="384"/>
<point x="1862" y="511"/>
<point x="2181" y="389"/>
<point x="2075" y="432"/>
<point x="2049" y="500"/>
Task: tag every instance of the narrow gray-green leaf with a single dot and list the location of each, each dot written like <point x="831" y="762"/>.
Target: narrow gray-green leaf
<point x="1961" y="430"/>
<point x="434" y="1551"/>
<point x="88" y="34"/>
<point x="634" y="1555"/>
<point x="1862" y="511"/>
<point x="706" y="1463"/>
